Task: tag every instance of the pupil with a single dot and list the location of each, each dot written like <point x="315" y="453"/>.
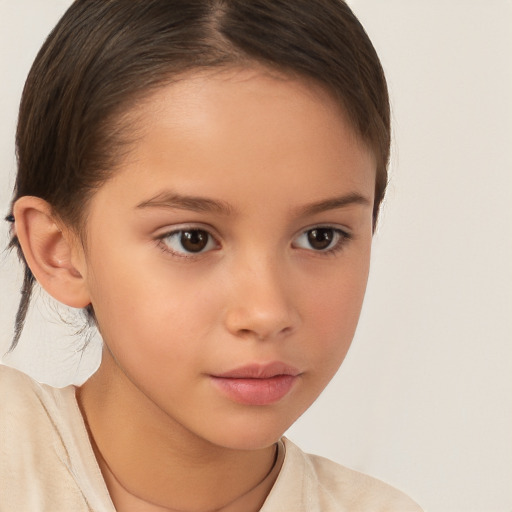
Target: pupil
<point x="320" y="238"/>
<point x="194" y="241"/>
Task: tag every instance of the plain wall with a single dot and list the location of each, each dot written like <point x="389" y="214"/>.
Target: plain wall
<point x="424" y="398"/>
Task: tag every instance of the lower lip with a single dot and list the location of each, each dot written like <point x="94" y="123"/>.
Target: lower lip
<point x="256" y="391"/>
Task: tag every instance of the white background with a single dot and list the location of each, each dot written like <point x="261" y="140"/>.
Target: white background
<point x="424" y="398"/>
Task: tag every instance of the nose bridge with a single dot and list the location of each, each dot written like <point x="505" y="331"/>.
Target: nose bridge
<point x="262" y="304"/>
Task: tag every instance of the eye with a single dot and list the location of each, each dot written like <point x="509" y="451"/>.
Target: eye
<point x="184" y="242"/>
<point x="321" y="239"/>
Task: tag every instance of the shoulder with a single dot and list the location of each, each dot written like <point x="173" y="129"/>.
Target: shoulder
<point x="313" y="483"/>
<point x="10" y="375"/>
<point x="30" y="444"/>
<point x="18" y="392"/>
<point x="43" y="444"/>
<point x="23" y="398"/>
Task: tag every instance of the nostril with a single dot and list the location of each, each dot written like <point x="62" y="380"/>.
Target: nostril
<point x="262" y="334"/>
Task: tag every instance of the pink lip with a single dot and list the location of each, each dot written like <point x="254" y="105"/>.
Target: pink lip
<point x="257" y="384"/>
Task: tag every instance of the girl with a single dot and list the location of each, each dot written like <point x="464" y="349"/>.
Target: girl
<point x="203" y="179"/>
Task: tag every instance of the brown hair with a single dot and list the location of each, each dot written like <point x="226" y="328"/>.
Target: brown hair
<point x="104" y="55"/>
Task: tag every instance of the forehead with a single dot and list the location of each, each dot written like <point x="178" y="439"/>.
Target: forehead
<point x="244" y="133"/>
<point x="239" y="96"/>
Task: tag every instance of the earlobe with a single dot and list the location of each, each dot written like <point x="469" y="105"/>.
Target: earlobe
<point x="51" y="252"/>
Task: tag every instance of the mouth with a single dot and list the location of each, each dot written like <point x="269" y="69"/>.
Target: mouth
<point x="257" y="384"/>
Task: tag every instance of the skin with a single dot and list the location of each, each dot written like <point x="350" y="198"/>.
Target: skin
<point x="266" y="147"/>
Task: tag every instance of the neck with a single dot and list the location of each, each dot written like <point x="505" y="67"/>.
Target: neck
<point x="152" y="463"/>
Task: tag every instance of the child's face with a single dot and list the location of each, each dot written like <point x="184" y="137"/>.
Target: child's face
<point x="220" y="245"/>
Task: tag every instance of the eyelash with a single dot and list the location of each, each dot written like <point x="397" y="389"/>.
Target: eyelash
<point x="185" y="229"/>
<point x="343" y="237"/>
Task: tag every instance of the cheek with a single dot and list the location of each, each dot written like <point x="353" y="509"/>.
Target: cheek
<point x="338" y="309"/>
<point x="334" y="310"/>
<point x="150" y="311"/>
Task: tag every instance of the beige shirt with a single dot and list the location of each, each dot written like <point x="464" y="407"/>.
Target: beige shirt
<point x="47" y="463"/>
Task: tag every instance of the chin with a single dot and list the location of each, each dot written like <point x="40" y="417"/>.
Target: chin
<point x="254" y="431"/>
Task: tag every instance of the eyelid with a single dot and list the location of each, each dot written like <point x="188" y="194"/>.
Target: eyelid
<point x="344" y="233"/>
<point x="172" y="230"/>
<point x="183" y="226"/>
<point x="326" y="225"/>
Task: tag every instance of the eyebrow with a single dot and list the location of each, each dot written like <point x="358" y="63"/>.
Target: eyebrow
<point x="334" y="203"/>
<point x="182" y="202"/>
<point x="205" y="204"/>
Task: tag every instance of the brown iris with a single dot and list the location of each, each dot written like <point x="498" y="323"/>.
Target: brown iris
<point x="320" y="238"/>
<point x="194" y="240"/>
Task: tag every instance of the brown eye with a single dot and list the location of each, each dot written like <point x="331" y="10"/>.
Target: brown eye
<point x="194" y="240"/>
<point x="321" y="238"/>
<point x="189" y="241"/>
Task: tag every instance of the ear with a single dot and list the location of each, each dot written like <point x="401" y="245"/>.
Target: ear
<point x="54" y="255"/>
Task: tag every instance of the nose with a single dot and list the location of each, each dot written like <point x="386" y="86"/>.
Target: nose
<point x="262" y="304"/>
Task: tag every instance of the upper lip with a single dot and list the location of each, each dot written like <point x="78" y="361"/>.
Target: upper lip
<point x="259" y="371"/>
